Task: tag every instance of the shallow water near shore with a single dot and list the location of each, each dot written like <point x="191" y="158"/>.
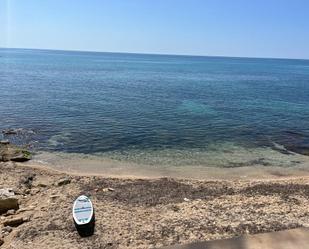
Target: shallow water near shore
<point x="191" y="165"/>
<point x="166" y="115"/>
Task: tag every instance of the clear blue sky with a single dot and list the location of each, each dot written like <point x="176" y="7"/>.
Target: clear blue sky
<point x="257" y="28"/>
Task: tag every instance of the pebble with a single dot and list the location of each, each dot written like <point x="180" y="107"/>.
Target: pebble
<point x="175" y="208"/>
<point x="54" y="196"/>
<point x="108" y="189"/>
<point x="64" y="181"/>
<point x="25" y="209"/>
<point x="15" y="222"/>
<point x="7" y="229"/>
<point x="42" y="185"/>
<point x="10" y="212"/>
<point x="8" y="200"/>
<point x="35" y="191"/>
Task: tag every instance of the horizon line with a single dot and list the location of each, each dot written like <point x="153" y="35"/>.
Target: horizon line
<point x="154" y="53"/>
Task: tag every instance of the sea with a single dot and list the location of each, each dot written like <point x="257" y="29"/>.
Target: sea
<point x="162" y="114"/>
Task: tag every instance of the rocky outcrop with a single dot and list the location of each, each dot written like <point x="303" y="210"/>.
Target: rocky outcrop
<point x="10" y="152"/>
<point x="11" y="131"/>
<point x="8" y="200"/>
<point x="16" y="131"/>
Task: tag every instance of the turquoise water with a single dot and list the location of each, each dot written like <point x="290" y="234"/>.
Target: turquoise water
<point x="143" y="107"/>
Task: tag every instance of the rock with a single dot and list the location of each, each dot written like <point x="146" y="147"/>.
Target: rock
<point x="26" y="219"/>
<point x="175" y="208"/>
<point x="108" y="189"/>
<point x="15" y="222"/>
<point x="30" y="208"/>
<point x="10" y="212"/>
<point x="17" y="131"/>
<point x="23" y="156"/>
<point x="42" y="185"/>
<point x="27" y="191"/>
<point x="7" y="229"/>
<point x="27" y="180"/>
<point x="10" y="131"/>
<point x="64" y="181"/>
<point x="4" y="142"/>
<point x="1" y="242"/>
<point x="8" y="200"/>
<point x="10" y="152"/>
<point x="186" y="199"/>
<point x="299" y="149"/>
<point x="54" y="196"/>
<point x="34" y="191"/>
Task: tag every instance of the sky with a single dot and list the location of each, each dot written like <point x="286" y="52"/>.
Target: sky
<point x="244" y="28"/>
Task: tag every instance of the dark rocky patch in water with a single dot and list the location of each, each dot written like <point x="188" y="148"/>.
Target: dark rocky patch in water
<point x="259" y="161"/>
<point x="304" y="150"/>
<point x="20" y="137"/>
<point x="295" y="142"/>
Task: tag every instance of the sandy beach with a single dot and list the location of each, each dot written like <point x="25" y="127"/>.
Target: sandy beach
<point x="154" y="124"/>
<point x="146" y="213"/>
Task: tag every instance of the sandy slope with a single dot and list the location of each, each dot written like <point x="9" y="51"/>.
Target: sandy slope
<point x="146" y="213"/>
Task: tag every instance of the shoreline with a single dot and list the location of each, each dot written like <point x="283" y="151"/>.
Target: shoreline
<point x="147" y="213"/>
<point x="256" y="175"/>
<point x="95" y="165"/>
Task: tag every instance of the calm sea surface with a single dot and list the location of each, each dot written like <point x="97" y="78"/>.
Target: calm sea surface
<point x="157" y="109"/>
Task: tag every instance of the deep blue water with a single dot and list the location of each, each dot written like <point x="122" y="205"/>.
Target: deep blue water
<point x="103" y="102"/>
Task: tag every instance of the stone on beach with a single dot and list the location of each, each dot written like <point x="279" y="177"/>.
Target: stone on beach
<point x="7" y="230"/>
<point x="27" y="180"/>
<point x="64" y="181"/>
<point x="10" y="152"/>
<point x="8" y="200"/>
<point x="10" y="212"/>
<point x="15" y="222"/>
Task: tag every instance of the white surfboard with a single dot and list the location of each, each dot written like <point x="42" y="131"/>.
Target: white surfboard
<point x="82" y="210"/>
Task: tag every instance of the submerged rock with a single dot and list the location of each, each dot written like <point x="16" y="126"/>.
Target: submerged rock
<point x="303" y="150"/>
<point x="296" y="142"/>
<point x="16" y="131"/>
<point x="8" y="200"/>
<point x="10" y="131"/>
<point x="10" y="152"/>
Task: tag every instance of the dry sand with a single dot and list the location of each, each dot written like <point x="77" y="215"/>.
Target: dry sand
<point x="147" y="213"/>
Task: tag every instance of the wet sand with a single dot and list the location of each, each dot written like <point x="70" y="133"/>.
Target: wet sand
<point x="148" y="213"/>
<point x="85" y="164"/>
